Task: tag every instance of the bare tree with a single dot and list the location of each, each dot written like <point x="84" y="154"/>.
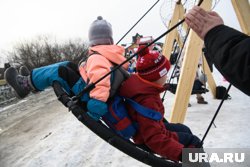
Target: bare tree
<point x="74" y="50"/>
<point x="41" y="52"/>
<point x="51" y="53"/>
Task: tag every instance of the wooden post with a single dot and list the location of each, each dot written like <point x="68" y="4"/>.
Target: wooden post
<point x="207" y="71"/>
<point x="242" y="10"/>
<point x="179" y="41"/>
<point x="169" y="40"/>
<point x="187" y="76"/>
<point x="210" y="79"/>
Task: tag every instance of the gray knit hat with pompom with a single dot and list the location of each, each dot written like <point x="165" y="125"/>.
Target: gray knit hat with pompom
<point x="100" y="32"/>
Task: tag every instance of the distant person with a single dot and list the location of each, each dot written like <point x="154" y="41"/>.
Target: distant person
<point x="132" y="65"/>
<point x="103" y="56"/>
<point x="163" y="138"/>
<point x="199" y="83"/>
<point x="226" y="47"/>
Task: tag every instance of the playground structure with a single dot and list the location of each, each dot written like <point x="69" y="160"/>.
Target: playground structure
<point x="191" y="48"/>
<point x="192" y="53"/>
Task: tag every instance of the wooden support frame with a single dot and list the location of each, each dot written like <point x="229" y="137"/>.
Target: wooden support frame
<point x="242" y="10"/>
<point x="210" y="79"/>
<point x="177" y="15"/>
<point x="168" y="45"/>
<point x="207" y="71"/>
<point x="187" y="76"/>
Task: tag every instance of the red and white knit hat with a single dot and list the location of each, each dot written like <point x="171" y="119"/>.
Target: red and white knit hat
<point x="151" y="65"/>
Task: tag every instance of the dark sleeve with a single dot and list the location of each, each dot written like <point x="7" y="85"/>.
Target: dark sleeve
<point x="229" y="50"/>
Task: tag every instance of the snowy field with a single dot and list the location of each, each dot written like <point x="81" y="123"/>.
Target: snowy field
<point x="39" y="132"/>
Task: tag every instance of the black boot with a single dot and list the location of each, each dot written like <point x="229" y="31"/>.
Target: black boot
<point x="24" y="71"/>
<point x="201" y="100"/>
<point x="21" y="84"/>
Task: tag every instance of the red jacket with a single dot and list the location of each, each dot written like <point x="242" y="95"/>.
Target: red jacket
<point x="151" y="133"/>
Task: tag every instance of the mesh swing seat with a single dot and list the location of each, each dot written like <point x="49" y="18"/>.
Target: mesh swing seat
<point x="140" y="153"/>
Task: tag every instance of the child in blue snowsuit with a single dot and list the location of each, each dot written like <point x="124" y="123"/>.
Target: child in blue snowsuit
<point x="67" y="73"/>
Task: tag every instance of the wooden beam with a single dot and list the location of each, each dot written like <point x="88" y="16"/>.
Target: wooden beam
<point x="185" y="28"/>
<point x="206" y="69"/>
<point x="210" y="79"/>
<point x="185" y="84"/>
<point x="242" y="10"/>
<point x="179" y="41"/>
<point x="187" y="76"/>
<point x="169" y="40"/>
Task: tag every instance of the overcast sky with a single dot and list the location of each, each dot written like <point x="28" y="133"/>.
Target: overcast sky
<point x="26" y="19"/>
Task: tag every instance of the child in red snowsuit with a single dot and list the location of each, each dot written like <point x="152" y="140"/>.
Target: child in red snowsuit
<point x="163" y="138"/>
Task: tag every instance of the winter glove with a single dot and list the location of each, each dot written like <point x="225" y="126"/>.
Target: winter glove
<point x="96" y="108"/>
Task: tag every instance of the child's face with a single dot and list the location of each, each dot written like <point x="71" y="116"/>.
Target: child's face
<point x="162" y="80"/>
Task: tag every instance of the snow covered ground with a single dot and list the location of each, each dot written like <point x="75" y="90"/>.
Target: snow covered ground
<point x="39" y="131"/>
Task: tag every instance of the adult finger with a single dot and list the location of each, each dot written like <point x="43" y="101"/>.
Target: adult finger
<point x="192" y="21"/>
<point x="214" y="13"/>
<point x="197" y="19"/>
<point x="196" y="29"/>
<point x="200" y="11"/>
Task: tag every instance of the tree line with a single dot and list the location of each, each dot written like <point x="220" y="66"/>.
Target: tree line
<point x="42" y="51"/>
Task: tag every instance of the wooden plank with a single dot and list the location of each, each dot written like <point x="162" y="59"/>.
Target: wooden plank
<point x="210" y="79"/>
<point x="185" y="84"/>
<point x="187" y="76"/>
<point x="169" y="40"/>
<point x="242" y="10"/>
<point x="179" y="41"/>
<point x="207" y="71"/>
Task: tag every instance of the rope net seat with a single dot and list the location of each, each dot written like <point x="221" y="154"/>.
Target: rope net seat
<point x="140" y="153"/>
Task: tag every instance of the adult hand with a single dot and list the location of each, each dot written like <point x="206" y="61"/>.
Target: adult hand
<point x="202" y="21"/>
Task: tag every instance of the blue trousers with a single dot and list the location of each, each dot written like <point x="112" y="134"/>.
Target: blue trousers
<point x="184" y="133"/>
<point x="66" y="73"/>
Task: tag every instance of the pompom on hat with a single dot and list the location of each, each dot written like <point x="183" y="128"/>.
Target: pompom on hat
<point x="100" y="32"/>
<point x="151" y="65"/>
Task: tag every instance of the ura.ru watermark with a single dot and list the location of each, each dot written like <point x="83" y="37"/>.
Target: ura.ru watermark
<point x="215" y="157"/>
<point x="233" y="157"/>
